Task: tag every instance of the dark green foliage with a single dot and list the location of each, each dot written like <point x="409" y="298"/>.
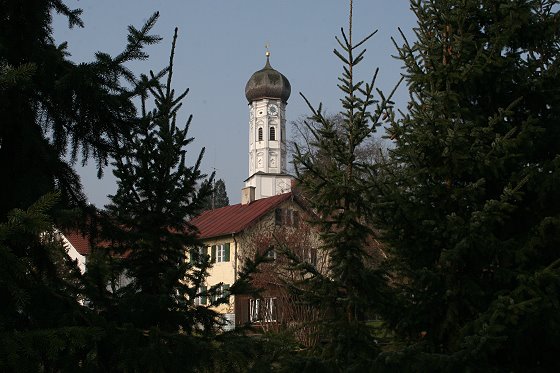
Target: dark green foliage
<point x="51" y="107"/>
<point x="157" y="195"/>
<point x="42" y="325"/>
<point x="473" y="209"/>
<point x="144" y="282"/>
<point x="218" y="198"/>
<point x="334" y="179"/>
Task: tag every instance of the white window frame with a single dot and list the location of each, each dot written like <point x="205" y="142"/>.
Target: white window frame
<point x="220" y="253"/>
<point x="198" y="299"/>
<point x="262" y="309"/>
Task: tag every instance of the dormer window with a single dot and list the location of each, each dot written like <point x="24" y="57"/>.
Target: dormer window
<point x="272" y="134"/>
<point x="260" y="134"/>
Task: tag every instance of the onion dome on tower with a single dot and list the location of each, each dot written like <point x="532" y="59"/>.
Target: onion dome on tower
<point x="267" y="83"/>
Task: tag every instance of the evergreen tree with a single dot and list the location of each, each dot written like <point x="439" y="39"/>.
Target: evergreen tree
<point x="218" y="198"/>
<point x="61" y="107"/>
<point x="157" y="195"/>
<point x="43" y="327"/>
<point x="220" y="194"/>
<point x="473" y="209"/>
<point x="51" y="108"/>
<point x="335" y="190"/>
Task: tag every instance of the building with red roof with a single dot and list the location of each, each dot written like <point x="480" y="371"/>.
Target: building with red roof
<point x="233" y="234"/>
<point x="269" y="208"/>
<point x="234" y="219"/>
<point x="77" y="247"/>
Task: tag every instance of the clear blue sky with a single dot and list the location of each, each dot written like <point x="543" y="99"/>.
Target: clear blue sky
<point x="221" y="43"/>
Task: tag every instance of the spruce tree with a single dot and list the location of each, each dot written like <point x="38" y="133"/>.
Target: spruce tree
<point x="218" y="198"/>
<point x="158" y="193"/>
<point x="43" y="327"/>
<point x="334" y="181"/>
<point x="472" y="207"/>
<point x="61" y="108"/>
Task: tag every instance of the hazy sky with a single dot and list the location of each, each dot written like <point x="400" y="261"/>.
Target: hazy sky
<point x="221" y="44"/>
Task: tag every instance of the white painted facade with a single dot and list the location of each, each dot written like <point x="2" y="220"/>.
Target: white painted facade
<point x="267" y="148"/>
<point x="73" y="252"/>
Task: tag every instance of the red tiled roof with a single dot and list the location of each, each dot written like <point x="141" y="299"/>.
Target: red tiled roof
<point x="235" y="218"/>
<point x="79" y="241"/>
<point x="82" y="245"/>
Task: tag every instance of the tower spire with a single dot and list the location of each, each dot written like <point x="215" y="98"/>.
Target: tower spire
<point x="267" y="92"/>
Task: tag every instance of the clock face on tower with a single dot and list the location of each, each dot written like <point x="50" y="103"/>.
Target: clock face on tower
<point x="272" y="109"/>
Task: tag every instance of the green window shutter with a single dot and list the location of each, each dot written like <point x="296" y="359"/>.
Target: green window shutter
<point x="226" y="252"/>
<point x="192" y="255"/>
<point x="203" y="297"/>
<point x="278" y="217"/>
<point x="225" y="289"/>
<point x="213" y="254"/>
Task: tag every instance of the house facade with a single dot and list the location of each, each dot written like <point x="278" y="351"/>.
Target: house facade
<point x="232" y="235"/>
<point x="77" y="247"/>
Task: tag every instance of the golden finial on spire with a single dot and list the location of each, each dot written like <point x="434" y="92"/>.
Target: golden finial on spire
<point x="267" y="53"/>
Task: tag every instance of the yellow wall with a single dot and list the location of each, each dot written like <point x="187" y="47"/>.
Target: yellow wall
<point x="223" y="272"/>
<point x="246" y="243"/>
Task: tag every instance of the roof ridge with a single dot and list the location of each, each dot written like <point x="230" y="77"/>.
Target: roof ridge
<point x="235" y="218"/>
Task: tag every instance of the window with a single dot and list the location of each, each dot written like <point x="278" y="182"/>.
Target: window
<point x="278" y="217"/>
<point x="286" y="217"/>
<point x="295" y="218"/>
<point x="310" y="256"/>
<point x="263" y="310"/>
<point x="202" y="297"/>
<point x="199" y="254"/>
<point x="222" y="291"/>
<point x="260" y="135"/>
<point x="272" y="134"/>
<point x="220" y="253"/>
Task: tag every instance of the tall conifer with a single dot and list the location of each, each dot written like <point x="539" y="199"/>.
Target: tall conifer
<point x="473" y="208"/>
<point x="149" y="234"/>
<point x="334" y="180"/>
<point x="62" y="108"/>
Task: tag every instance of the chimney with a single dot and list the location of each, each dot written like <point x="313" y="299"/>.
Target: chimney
<point x="247" y="195"/>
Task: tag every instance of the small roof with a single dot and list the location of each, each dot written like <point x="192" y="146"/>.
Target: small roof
<point x="235" y="218"/>
<point x="79" y="241"/>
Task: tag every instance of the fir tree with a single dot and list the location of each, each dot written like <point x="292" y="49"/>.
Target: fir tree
<point x="473" y="209"/>
<point x="43" y="327"/>
<point x="157" y="195"/>
<point x="220" y="194"/>
<point x="335" y="183"/>
<point x="60" y="108"/>
<point x="218" y="198"/>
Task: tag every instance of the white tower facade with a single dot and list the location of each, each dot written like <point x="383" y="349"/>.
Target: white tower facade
<point x="267" y="92"/>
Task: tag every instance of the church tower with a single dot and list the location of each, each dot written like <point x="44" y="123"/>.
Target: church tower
<point x="267" y="92"/>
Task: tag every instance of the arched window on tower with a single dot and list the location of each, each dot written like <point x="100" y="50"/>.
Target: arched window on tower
<point x="260" y="135"/>
<point x="272" y="134"/>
